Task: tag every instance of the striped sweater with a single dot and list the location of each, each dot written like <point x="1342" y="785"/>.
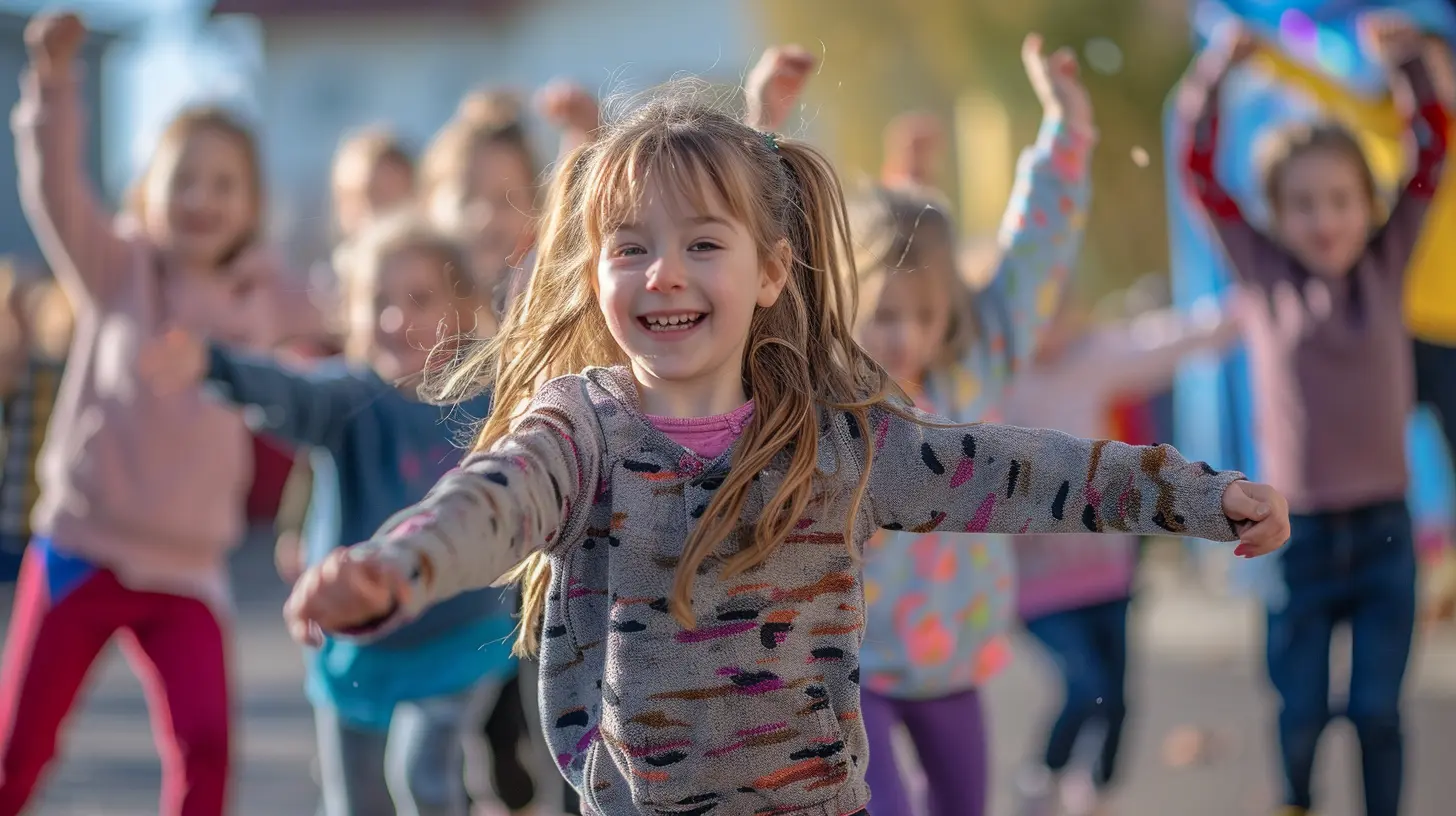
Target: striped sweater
<point x="756" y="709"/>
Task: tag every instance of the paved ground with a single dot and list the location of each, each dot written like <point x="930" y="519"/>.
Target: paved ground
<point x="1197" y="664"/>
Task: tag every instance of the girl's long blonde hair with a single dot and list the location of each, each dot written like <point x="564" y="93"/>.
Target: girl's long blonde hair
<point x="801" y="361"/>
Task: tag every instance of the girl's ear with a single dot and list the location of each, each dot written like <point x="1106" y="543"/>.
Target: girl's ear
<point x="773" y="274"/>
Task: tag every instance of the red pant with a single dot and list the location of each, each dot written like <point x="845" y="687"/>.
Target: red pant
<point x="65" y="612"/>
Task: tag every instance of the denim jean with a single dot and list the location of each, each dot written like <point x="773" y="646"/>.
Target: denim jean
<point x="415" y="768"/>
<point x="1356" y="567"/>
<point x="1089" y="647"/>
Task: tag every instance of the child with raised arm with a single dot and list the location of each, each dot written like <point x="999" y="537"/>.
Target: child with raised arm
<point x="1323" y="310"/>
<point x="390" y="715"/>
<point x="689" y="453"/>
<point x="938" y="606"/>
<point x="142" y="496"/>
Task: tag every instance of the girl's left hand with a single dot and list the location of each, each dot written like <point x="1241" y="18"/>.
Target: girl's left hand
<point x="1261" y="515"/>
<point x="1058" y="84"/>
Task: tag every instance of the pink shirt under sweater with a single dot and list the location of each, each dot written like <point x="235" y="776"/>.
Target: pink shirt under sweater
<point x="708" y="437"/>
<point x="151" y="487"/>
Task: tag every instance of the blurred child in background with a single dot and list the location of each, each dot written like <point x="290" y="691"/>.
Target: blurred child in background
<point x="392" y="716"/>
<point x="1322" y="308"/>
<point x="938" y="605"/>
<point x="373" y="176"/>
<point x="142" y="495"/>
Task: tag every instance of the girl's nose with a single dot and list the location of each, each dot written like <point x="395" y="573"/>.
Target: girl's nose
<point x="666" y="274"/>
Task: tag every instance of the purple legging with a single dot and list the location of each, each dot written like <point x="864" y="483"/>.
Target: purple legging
<point x="950" y="737"/>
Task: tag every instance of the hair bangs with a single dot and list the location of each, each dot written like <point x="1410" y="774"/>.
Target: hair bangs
<point x="697" y="172"/>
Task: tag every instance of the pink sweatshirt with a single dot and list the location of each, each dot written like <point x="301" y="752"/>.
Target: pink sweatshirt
<point x="1072" y="394"/>
<point x="150" y="487"/>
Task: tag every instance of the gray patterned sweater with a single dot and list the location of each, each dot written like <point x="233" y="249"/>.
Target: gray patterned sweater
<point x="756" y="710"/>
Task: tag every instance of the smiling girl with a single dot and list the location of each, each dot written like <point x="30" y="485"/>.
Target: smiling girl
<point x="690" y="455"/>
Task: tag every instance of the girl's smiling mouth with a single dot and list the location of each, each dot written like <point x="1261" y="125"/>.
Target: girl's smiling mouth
<point x="671" y="322"/>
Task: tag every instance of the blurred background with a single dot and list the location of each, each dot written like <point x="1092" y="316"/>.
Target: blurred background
<point x="307" y="71"/>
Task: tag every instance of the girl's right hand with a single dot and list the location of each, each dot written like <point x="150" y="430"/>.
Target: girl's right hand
<point x="53" y="41"/>
<point x="1058" y="84"/>
<point x="345" y="593"/>
<point x="172" y="362"/>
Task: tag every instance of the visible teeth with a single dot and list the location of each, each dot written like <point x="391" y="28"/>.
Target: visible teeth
<point x="673" y="320"/>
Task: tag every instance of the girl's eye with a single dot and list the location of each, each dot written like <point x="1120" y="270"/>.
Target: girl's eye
<point x="628" y="251"/>
<point x="703" y="246"/>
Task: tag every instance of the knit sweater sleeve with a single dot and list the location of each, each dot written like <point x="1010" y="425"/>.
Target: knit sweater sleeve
<point x="530" y="492"/>
<point x="1001" y="479"/>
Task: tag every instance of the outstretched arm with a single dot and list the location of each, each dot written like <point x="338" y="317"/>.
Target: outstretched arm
<point x="529" y="492"/>
<point x="1002" y="479"/>
<point x="1143" y="355"/>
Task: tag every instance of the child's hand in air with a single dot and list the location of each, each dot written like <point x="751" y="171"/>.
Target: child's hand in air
<point x="569" y="107"/>
<point x="774" y="85"/>
<point x="53" y="40"/>
<point x="344" y="593"/>
<point x="1261" y="516"/>
<point x="1391" y="37"/>
<point x="1231" y="45"/>
<point x="1058" y="84"/>
<point x="173" y="362"/>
